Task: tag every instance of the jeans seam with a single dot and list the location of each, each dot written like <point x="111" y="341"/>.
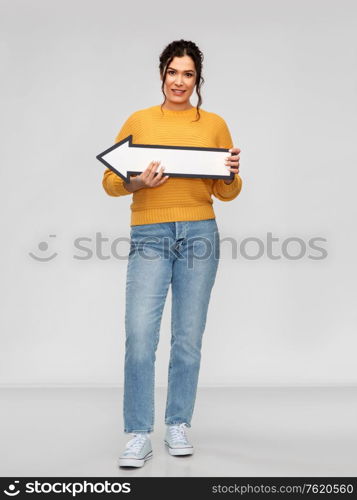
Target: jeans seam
<point x="157" y="337"/>
<point x="170" y="362"/>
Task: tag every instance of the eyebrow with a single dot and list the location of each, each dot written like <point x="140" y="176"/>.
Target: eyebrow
<point x="185" y="71"/>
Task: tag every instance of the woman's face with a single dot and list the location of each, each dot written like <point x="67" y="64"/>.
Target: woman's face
<point x="181" y="75"/>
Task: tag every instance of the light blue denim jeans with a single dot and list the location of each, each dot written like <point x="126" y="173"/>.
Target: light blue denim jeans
<point x="184" y="254"/>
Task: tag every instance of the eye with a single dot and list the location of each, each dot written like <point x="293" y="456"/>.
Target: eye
<point x="171" y="71"/>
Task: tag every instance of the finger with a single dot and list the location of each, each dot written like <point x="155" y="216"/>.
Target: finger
<point x="164" y="179"/>
<point x="152" y="166"/>
<point x="153" y="170"/>
<point x="159" y="174"/>
<point x="158" y="178"/>
<point x="232" y="158"/>
<point x="234" y="150"/>
<point x="234" y="164"/>
<point x="146" y="172"/>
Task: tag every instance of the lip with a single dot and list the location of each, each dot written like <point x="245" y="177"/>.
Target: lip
<point x="178" y="90"/>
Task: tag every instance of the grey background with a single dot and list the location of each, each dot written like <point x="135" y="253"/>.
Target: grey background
<point x="283" y="76"/>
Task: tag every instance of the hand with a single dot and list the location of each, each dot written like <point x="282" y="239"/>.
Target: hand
<point x="232" y="162"/>
<point x="149" y="177"/>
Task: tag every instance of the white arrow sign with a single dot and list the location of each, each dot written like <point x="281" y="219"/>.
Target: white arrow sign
<point x="126" y="158"/>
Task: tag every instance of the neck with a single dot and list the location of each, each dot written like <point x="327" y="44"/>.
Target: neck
<point x="177" y="107"/>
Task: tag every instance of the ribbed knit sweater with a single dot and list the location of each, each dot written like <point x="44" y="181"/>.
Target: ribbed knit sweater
<point x="178" y="198"/>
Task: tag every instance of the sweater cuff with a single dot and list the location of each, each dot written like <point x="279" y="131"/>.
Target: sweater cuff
<point x="226" y="190"/>
<point x="119" y="186"/>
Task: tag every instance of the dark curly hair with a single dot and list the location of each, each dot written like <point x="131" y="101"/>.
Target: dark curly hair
<point x="180" y="48"/>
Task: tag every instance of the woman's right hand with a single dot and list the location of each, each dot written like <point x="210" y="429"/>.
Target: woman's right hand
<point x="147" y="178"/>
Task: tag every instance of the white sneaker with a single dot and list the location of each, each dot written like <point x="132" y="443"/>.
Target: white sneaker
<point x="177" y="441"/>
<point x="137" y="451"/>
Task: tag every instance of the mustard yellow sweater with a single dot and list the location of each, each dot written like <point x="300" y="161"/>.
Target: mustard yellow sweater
<point x="178" y="198"/>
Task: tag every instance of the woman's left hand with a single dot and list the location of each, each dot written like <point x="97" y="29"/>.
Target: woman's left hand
<point x="232" y="162"/>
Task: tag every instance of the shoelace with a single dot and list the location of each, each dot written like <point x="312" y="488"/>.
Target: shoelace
<point x="136" y="443"/>
<point x="178" y="432"/>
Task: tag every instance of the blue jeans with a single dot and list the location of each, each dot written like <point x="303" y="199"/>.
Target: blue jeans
<point x="184" y="254"/>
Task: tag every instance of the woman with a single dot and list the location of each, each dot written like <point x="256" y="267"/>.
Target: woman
<point x="174" y="240"/>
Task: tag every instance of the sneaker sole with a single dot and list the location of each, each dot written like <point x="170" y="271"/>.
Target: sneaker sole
<point x="134" y="462"/>
<point x="179" y="451"/>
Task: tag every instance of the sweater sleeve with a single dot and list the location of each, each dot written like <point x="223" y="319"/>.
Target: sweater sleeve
<point x="112" y="183"/>
<point x="221" y="190"/>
